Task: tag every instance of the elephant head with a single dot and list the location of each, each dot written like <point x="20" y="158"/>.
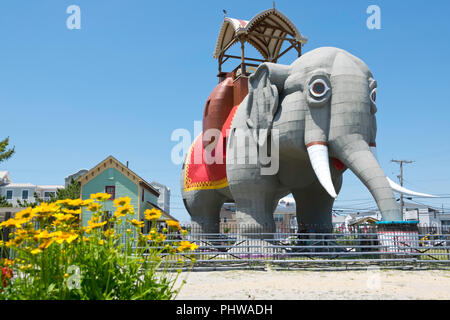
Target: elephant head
<point x="336" y="94"/>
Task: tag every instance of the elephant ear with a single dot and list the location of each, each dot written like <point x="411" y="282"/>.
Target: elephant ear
<point x="264" y="87"/>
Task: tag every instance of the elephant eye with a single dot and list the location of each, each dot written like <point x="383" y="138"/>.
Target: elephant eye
<point x="373" y="95"/>
<point x="318" y="88"/>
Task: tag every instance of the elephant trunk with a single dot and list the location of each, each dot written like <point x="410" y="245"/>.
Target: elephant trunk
<point x="355" y="153"/>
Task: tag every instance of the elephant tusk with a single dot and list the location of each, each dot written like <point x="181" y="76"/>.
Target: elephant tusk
<point x="318" y="155"/>
<point x="398" y="188"/>
<point x="408" y="192"/>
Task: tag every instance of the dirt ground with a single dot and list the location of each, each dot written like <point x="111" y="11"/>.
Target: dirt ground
<point x="317" y="285"/>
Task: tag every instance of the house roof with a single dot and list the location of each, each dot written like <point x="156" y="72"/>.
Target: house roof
<point x="409" y="205"/>
<point x="50" y="187"/>
<point x="266" y="32"/>
<point x="19" y="185"/>
<point x="362" y="220"/>
<point x="165" y="216"/>
<point x="112" y="162"/>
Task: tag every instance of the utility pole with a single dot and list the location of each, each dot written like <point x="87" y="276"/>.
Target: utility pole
<point x="401" y="162"/>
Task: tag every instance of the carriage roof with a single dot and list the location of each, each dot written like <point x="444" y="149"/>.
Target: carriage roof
<point x="266" y="32"/>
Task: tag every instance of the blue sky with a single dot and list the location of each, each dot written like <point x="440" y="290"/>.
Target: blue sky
<point x="137" y="70"/>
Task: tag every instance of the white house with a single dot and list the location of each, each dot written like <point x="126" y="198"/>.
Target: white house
<point x="24" y="191"/>
<point x="164" y="196"/>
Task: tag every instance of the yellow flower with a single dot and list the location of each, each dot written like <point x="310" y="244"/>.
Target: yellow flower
<point x="161" y="238"/>
<point x="122" y="211"/>
<point x="64" y="202"/>
<point x="46" y="243"/>
<point x="152" y="214"/>
<point x="173" y="224"/>
<point x="122" y="201"/>
<point x="100" y="196"/>
<point x="101" y="242"/>
<point x="109" y="233"/>
<point x="68" y="237"/>
<point x="25" y="214"/>
<point x="94" y="206"/>
<point x="136" y="223"/>
<point x="94" y="225"/>
<point x="10" y="244"/>
<point x="46" y="208"/>
<point x="66" y="275"/>
<point x="75" y="202"/>
<point x="63" y="217"/>
<point x="13" y="223"/>
<point x="186" y="245"/>
<point x="71" y="211"/>
<point x="44" y="235"/>
<point x="36" y="251"/>
<point x="86" y="202"/>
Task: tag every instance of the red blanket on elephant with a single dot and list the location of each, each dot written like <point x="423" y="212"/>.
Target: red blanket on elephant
<point x="198" y="174"/>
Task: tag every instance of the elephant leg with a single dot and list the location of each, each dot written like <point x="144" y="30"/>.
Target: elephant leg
<point x="254" y="212"/>
<point x="314" y="207"/>
<point x="204" y="207"/>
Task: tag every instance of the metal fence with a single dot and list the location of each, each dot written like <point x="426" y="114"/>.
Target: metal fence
<point x="312" y="246"/>
<point x="309" y="248"/>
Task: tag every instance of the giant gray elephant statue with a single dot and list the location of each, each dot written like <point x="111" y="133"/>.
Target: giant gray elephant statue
<point x="323" y="109"/>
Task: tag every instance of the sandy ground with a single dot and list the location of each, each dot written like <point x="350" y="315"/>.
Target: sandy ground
<point x="316" y="285"/>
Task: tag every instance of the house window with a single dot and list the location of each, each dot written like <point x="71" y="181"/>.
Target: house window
<point x="111" y="190"/>
<point x="48" y="194"/>
<point x="24" y="194"/>
<point x="9" y="194"/>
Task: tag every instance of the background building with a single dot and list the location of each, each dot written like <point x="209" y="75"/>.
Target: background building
<point x="13" y="192"/>
<point x="74" y="176"/>
<point x="164" y="196"/>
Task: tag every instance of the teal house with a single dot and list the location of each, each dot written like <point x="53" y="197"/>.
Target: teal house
<point x="111" y="176"/>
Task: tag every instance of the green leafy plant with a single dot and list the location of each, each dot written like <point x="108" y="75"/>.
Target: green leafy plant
<point x="53" y="257"/>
